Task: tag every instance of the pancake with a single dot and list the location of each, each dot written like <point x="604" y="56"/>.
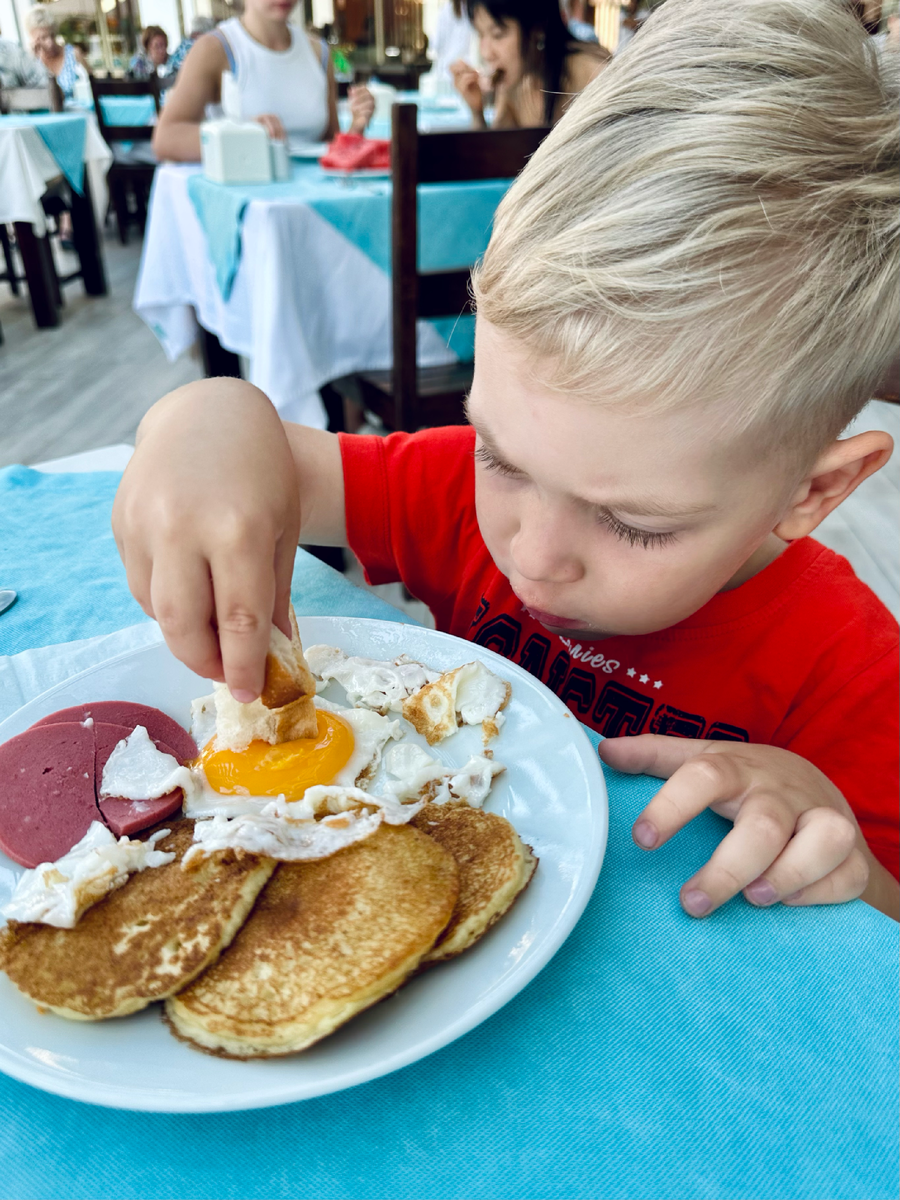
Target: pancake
<point x="325" y="940"/>
<point x="143" y="942"/>
<point x="494" y="864"/>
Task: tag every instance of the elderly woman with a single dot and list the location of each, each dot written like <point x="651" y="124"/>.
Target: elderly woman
<point x="535" y="66"/>
<point x="64" y="62"/>
<point x="153" y="56"/>
<point x="283" y="78"/>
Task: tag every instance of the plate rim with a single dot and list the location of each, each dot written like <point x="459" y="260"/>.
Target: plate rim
<point x="278" y="1092"/>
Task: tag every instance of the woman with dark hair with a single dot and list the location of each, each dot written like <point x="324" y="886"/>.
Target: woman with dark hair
<point x="534" y="66"/>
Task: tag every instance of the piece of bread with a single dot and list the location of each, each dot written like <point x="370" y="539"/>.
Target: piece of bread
<point x="325" y="940"/>
<point x="286" y="709"/>
<point x="288" y="677"/>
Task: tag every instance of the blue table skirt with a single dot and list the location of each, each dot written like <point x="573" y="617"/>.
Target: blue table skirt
<point x="63" y="134"/>
<point x="749" y="1056"/>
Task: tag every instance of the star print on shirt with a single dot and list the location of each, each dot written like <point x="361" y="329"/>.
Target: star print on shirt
<point x="631" y="672"/>
<point x="657" y="683"/>
<point x="644" y="679"/>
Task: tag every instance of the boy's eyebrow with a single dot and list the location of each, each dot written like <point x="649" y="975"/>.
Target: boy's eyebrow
<point x="638" y="508"/>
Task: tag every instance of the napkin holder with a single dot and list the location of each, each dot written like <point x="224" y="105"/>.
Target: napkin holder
<point x="235" y="152"/>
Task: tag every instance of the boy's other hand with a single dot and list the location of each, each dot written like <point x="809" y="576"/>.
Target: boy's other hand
<point x="795" y="839"/>
<point x="207" y="523"/>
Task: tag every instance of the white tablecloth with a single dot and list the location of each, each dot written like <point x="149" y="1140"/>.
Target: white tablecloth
<point x="27" y="168"/>
<point x="307" y="306"/>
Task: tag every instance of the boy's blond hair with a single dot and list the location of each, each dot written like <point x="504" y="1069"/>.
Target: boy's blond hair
<point x="715" y="222"/>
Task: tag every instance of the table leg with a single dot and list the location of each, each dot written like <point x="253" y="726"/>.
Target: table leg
<point x="11" y="277"/>
<point x="39" y="274"/>
<point x="87" y="241"/>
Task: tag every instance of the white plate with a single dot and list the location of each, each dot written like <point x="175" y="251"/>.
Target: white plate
<point x="306" y="149"/>
<point x="361" y="173"/>
<point x="552" y="791"/>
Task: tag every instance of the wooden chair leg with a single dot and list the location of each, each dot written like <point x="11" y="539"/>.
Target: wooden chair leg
<point x="11" y="277"/>
<point x="140" y="200"/>
<point x="119" y="199"/>
<point x="217" y="361"/>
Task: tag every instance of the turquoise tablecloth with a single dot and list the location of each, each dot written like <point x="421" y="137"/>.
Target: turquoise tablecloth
<point x="454" y="221"/>
<point x="750" y="1056"/>
<point x="63" y="134"/>
<point x="128" y="110"/>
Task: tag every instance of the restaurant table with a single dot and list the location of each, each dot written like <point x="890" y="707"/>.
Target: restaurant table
<point x="295" y="276"/>
<point x="748" y="1056"/>
<point x="35" y="152"/>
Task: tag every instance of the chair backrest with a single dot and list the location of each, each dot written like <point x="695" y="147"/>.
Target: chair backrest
<point x="443" y="157"/>
<point x="123" y="87"/>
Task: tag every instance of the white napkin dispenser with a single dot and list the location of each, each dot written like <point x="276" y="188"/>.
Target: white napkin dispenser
<point x="235" y="152"/>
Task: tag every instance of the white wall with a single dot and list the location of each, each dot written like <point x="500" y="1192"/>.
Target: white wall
<point x="165" y="14"/>
<point x="8" y="11"/>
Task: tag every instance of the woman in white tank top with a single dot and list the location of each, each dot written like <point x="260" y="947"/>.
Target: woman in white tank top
<point x="284" y="80"/>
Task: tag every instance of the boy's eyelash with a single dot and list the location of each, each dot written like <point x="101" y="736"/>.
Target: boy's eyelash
<point x="628" y="533"/>
<point x="487" y="459"/>
<point x="634" y="537"/>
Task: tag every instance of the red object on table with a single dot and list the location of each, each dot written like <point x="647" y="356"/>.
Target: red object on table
<point x="353" y="152"/>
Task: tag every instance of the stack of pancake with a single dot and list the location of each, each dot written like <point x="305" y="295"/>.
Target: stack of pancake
<point x="255" y="959"/>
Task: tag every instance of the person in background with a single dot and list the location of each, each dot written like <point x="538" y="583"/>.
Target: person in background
<point x="64" y="62"/>
<point x="534" y="65"/>
<point x="453" y="38"/>
<point x="632" y="15"/>
<point x="199" y="26"/>
<point x="18" y="68"/>
<point x="283" y="77"/>
<point x="153" y="57"/>
<point x="577" y="23"/>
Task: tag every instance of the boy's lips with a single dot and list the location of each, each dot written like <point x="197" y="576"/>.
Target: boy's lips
<point x="551" y="619"/>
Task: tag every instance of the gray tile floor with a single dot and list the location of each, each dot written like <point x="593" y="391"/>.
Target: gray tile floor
<point x="89" y="382"/>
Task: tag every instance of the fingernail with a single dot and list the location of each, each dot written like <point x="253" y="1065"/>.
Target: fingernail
<point x="645" y="834"/>
<point x="696" y="903"/>
<point x="760" y="892"/>
<point x="243" y="696"/>
<point x="794" y="896"/>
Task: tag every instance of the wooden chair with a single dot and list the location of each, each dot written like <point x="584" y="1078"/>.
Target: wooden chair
<point x="408" y="397"/>
<point x="126" y="174"/>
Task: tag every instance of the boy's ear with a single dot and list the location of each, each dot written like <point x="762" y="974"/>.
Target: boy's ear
<point x="838" y="471"/>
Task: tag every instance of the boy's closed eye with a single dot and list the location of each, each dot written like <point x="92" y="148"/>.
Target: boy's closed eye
<point x="632" y="534"/>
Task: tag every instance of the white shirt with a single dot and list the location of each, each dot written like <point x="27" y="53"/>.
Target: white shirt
<point x="289" y="84"/>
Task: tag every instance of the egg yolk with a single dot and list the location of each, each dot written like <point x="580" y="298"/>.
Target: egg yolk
<point x="286" y="769"/>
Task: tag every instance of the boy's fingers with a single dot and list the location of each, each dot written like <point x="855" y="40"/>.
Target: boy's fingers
<point x="285" y="552"/>
<point x="182" y="603"/>
<point x="846" y="882"/>
<point x="138" y="573"/>
<point x="702" y="780"/>
<point x="822" y="841"/>
<point x="761" y="830"/>
<point x="650" y="753"/>
<point x="244" y="588"/>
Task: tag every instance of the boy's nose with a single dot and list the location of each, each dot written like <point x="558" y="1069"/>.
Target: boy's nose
<point x="541" y="552"/>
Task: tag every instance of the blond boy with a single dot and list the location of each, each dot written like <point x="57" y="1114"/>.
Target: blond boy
<point x="688" y="295"/>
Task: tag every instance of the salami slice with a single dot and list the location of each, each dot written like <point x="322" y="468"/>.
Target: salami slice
<point x="162" y="728"/>
<point x="47" y="799"/>
<point x="125" y="817"/>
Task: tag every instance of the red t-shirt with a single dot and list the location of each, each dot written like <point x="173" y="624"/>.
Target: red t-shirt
<point x="802" y="656"/>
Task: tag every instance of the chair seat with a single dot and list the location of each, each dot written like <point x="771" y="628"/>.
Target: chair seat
<point x="440" y="390"/>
